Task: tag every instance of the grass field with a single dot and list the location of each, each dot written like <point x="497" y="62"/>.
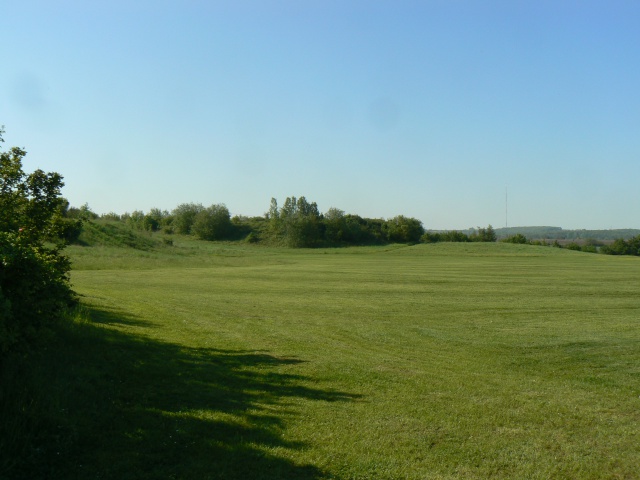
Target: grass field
<point x="206" y="360"/>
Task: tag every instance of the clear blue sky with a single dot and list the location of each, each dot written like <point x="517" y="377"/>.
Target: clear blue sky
<point x="429" y="109"/>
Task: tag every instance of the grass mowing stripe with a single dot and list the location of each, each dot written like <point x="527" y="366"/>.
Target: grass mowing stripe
<point x="432" y="361"/>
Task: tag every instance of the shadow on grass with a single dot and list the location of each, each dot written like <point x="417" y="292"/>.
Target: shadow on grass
<point x="128" y="407"/>
<point x="113" y="316"/>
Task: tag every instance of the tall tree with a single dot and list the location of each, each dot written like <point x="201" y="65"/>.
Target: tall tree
<point x="34" y="274"/>
<point x="335" y="225"/>
<point x="403" y="229"/>
<point x="298" y="223"/>
<point x="184" y="216"/>
<point x="213" y="223"/>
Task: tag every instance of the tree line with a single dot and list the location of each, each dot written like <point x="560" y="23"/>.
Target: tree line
<point x="558" y="233"/>
<point x="296" y="223"/>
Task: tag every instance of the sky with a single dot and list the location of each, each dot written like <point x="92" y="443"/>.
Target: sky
<point x="458" y="113"/>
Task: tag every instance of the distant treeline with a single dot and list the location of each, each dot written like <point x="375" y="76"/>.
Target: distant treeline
<point x="299" y="223"/>
<point x="619" y="246"/>
<point x="557" y="233"/>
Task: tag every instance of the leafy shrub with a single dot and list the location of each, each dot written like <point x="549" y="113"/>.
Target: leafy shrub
<point x="403" y="229"/>
<point x="34" y="276"/>
<point x="454" y="236"/>
<point x="82" y="213"/>
<point x="252" y="238"/>
<point x="517" y="238"/>
<point x="212" y="223"/>
<point x="539" y="243"/>
<point x="34" y="288"/>
<point x="184" y="216"/>
<point x="71" y="229"/>
<point x="431" y="237"/>
<point x="297" y="223"/>
<point x="111" y="216"/>
<point x="623" y="247"/>
<point x="484" y="235"/>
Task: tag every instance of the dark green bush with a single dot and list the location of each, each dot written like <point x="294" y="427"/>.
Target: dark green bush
<point x="431" y="237"/>
<point x="454" y="236"/>
<point x="34" y="276"/>
<point x="623" y="247"/>
<point x="213" y="223"/>
<point x="252" y="238"/>
<point x="487" y="234"/>
<point x="401" y="229"/>
<point x="34" y="288"/>
<point x="184" y="216"/>
<point x="517" y="238"/>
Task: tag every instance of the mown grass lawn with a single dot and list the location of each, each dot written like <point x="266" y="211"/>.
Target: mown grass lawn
<point x="430" y="361"/>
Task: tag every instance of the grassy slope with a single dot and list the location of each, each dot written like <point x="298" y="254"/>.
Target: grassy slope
<point x="431" y="361"/>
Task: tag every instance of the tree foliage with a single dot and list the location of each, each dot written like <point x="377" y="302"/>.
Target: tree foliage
<point x="448" y="236"/>
<point x="213" y="223"/>
<point x="623" y="247"/>
<point x="482" y="234"/>
<point x="517" y="238"/>
<point x="184" y="216"/>
<point x="403" y="229"/>
<point x="297" y="223"/>
<point x="349" y="229"/>
<point x="34" y="274"/>
<point x="487" y="234"/>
